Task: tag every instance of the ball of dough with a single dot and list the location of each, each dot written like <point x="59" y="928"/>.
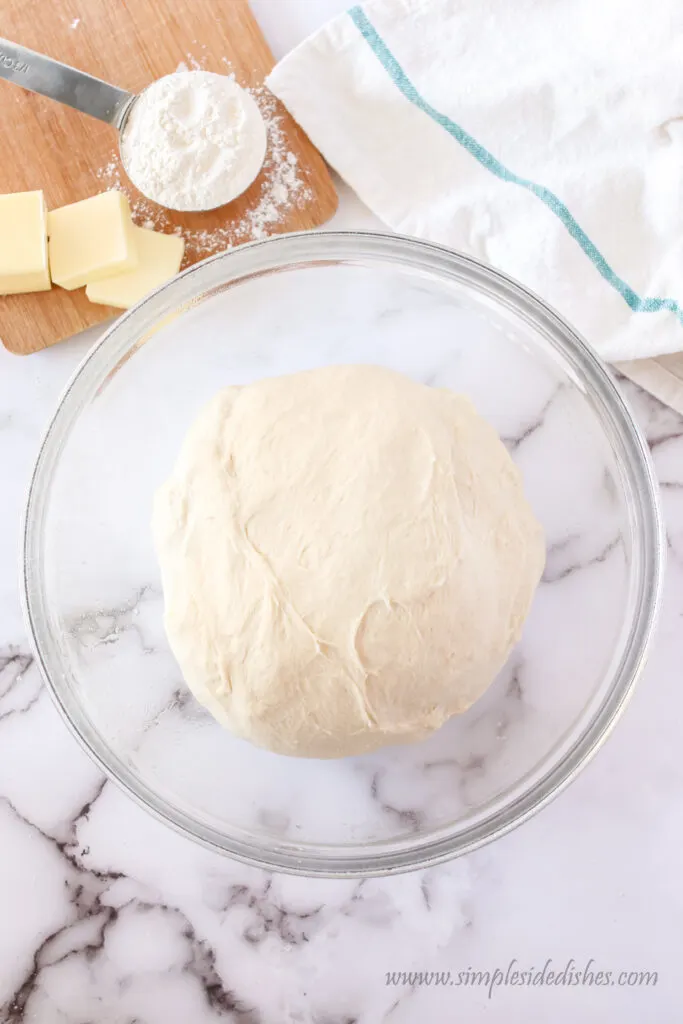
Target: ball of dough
<point x="347" y="559"/>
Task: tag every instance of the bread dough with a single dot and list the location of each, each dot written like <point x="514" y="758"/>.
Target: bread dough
<point x="347" y="559"/>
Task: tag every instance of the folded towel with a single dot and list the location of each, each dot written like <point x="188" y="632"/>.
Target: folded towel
<point x="544" y="137"/>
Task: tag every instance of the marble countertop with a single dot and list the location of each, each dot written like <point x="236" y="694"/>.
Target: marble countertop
<point x="110" y="917"/>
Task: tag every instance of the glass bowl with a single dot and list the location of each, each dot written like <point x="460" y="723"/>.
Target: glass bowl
<point x="92" y="589"/>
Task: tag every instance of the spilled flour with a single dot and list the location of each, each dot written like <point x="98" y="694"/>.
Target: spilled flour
<point x="283" y="188"/>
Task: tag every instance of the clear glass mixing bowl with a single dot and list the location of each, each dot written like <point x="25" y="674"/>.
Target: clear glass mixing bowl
<point x="92" y="589"/>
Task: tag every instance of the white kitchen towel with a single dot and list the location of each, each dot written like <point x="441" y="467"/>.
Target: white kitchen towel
<point x="544" y="137"/>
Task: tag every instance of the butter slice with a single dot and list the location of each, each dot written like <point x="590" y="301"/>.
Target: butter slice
<point x="23" y="244"/>
<point x="159" y="259"/>
<point x="90" y="240"/>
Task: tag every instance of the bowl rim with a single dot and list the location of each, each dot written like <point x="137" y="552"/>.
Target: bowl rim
<point x="290" y="251"/>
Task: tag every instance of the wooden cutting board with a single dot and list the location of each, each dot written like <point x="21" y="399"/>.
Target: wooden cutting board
<point x="71" y="156"/>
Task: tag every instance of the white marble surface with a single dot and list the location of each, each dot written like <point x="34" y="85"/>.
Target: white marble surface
<point x="110" y="917"/>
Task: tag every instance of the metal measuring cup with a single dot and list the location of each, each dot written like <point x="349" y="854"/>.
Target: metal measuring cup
<point x="85" y="93"/>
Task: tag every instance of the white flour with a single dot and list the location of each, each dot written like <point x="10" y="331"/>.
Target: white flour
<point x="282" y="189"/>
<point x="194" y="140"/>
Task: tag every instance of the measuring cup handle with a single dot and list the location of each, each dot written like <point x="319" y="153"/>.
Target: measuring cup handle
<point x="41" y="74"/>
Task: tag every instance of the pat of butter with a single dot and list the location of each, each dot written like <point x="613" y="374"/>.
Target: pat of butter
<point x="159" y="259"/>
<point x="23" y="244"/>
<point x="90" y="240"/>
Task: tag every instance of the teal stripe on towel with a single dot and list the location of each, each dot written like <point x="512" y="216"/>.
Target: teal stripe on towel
<point x="488" y="160"/>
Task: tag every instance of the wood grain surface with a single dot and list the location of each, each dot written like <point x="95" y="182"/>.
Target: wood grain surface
<point x="71" y="156"/>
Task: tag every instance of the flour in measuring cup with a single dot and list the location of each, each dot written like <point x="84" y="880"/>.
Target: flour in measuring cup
<point x="194" y="140"/>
